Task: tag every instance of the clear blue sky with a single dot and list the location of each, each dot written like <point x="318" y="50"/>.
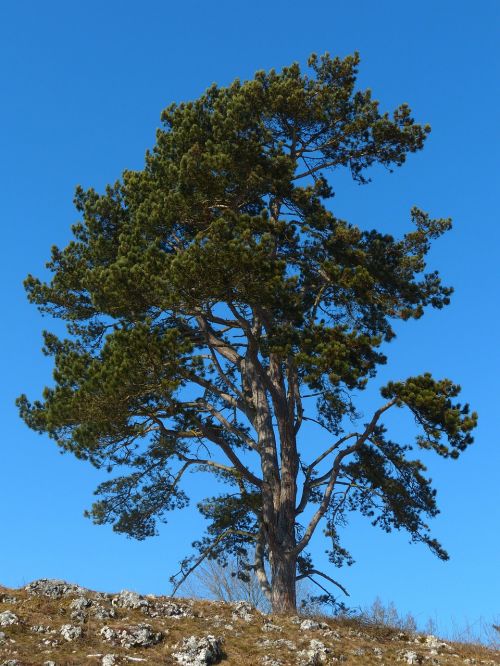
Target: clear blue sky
<point x="83" y="85"/>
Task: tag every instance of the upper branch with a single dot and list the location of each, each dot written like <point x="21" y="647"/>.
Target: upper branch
<point x="218" y="344"/>
<point x="210" y="433"/>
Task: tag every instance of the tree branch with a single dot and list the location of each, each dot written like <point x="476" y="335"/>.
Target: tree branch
<point x="334" y="474"/>
<point x="214" y="342"/>
<point x="212" y="435"/>
<point x="308" y="485"/>
<point x="249" y="441"/>
<point x="205" y="554"/>
<point x="315" y="572"/>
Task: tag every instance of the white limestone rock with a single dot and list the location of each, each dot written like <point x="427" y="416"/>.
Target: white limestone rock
<point x="242" y="610"/>
<point x="269" y="626"/>
<point x="140" y="635"/>
<point x="309" y="625"/>
<point x="128" y="599"/>
<point x="80" y="603"/>
<point x="331" y="634"/>
<point x="101" y="612"/>
<point x="71" y="632"/>
<point x="434" y="643"/>
<point x="193" y="651"/>
<point x="8" y="618"/>
<point x="8" y="599"/>
<point x="42" y="629"/>
<point x="168" y="609"/>
<point x="410" y="657"/>
<point x="55" y="589"/>
<point x="315" y="655"/>
<point x="109" y="660"/>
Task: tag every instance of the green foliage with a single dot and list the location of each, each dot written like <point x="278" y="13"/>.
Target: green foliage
<point x="431" y="403"/>
<point x="221" y="257"/>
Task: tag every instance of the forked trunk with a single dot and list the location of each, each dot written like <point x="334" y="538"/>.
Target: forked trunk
<point x="283" y="572"/>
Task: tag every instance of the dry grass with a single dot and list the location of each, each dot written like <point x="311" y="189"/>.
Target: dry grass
<point x="354" y="643"/>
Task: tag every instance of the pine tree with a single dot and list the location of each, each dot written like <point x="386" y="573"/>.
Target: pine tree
<point x="214" y="304"/>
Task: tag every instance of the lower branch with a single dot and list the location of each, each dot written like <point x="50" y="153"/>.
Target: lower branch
<point x="205" y="554"/>
<point x="315" y="572"/>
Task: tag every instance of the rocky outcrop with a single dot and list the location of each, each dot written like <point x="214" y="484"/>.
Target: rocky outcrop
<point x="55" y="623"/>
<point x="54" y="589"/>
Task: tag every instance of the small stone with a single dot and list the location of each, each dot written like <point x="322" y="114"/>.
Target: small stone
<point x="49" y="663"/>
<point x="7" y="618"/>
<point x="41" y="629"/>
<point x="70" y="632"/>
<point x="109" y="660"/>
<point x="410" y="657"/>
<point x="309" y="625"/>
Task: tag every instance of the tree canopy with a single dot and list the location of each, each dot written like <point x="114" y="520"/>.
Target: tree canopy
<point x="214" y="303"/>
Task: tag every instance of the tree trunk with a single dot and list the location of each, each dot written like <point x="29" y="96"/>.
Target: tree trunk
<point x="283" y="572"/>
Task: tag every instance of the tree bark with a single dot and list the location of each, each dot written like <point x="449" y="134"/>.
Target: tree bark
<point x="283" y="572"/>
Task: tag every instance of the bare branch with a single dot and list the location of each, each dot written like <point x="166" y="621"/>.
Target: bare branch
<point x="330" y="450"/>
<point x="218" y="344"/>
<point x="213" y="436"/>
<point x="223" y="375"/>
<point x="209" y="386"/>
<point x="308" y="485"/>
<point x="230" y="427"/>
<point x="315" y="572"/>
<point x="206" y="553"/>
